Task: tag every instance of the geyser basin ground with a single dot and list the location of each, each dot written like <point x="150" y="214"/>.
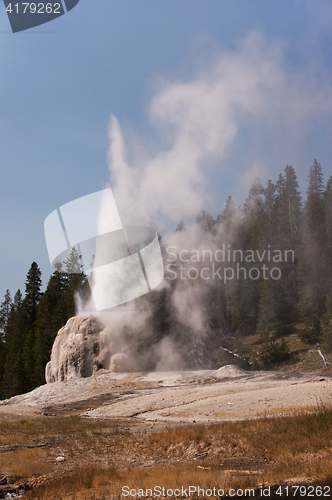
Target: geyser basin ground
<point x="204" y="396"/>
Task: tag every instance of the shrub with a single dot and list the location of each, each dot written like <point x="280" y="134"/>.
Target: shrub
<point x="275" y="352"/>
<point x="284" y="330"/>
<point x="308" y="336"/>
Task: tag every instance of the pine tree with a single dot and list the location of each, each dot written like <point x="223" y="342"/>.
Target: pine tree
<point x="328" y="235"/>
<point x="206" y="221"/>
<point x="180" y="226"/>
<point x="222" y="311"/>
<point x="267" y="316"/>
<point x="5" y="309"/>
<point x="291" y="209"/>
<point x="327" y="324"/>
<point x="314" y="207"/>
<point x="75" y="282"/>
<point x="231" y="222"/>
<point x="288" y="218"/>
<point x="245" y="298"/>
<point x="312" y="261"/>
<point x="30" y="305"/>
<point x="14" y="381"/>
<point x="266" y="290"/>
<point x="51" y="316"/>
<point x="32" y="291"/>
<point x="55" y="291"/>
<point x="328" y="210"/>
<point x="269" y="206"/>
<point x="288" y="206"/>
<point x="253" y="209"/>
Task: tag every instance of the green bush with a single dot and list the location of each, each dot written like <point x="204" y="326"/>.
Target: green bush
<point x="308" y="336"/>
<point x="284" y="330"/>
<point x="275" y="352"/>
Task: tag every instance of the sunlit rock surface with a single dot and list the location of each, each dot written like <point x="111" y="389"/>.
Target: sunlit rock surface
<point x="84" y="346"/>
<point x="76" y="349"/>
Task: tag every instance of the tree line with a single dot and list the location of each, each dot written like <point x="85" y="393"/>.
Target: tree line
<point x="29" y="324"/>
<point x="273" y="217"/>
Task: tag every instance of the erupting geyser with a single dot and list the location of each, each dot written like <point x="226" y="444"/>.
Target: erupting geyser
<point x="122" y="263"/>
<point x="84" y="346"/>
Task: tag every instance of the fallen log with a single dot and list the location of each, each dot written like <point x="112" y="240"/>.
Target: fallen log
<point x="323" y="358"/>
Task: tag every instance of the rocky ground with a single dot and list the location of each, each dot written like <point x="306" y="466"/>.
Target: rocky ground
<point x="121" y="410"/>
<point x="206" y="395"/>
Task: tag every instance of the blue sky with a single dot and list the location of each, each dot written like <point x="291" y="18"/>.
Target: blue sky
<point x="61" y="81"/>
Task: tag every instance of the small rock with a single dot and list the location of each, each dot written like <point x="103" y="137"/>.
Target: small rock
<point x="60" y="459"/>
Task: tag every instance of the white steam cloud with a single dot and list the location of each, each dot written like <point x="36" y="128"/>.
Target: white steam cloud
<point x="245" y="89"/>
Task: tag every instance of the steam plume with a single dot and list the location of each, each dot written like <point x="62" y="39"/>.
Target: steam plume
<point x="200" y="120"/>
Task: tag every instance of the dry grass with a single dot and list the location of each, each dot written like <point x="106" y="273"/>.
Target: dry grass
<point x="98" y="484"/>
<point x="101" y="457"/>
<point x="11" y="429"/>
<point x="84" y="482"/>
<point x="270" y="438"/>
<point x="25" y="462"/>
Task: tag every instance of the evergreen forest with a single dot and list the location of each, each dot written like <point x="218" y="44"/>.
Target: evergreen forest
<point x="272" y="217"/>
